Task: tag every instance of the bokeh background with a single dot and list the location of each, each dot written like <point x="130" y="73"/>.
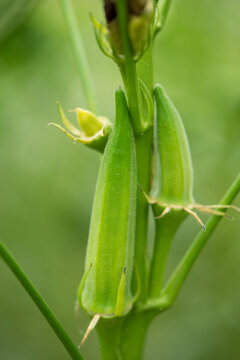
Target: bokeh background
<point x="47" y="182"/>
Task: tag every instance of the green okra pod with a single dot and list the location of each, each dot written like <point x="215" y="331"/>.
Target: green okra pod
<point x="175" y="188"/>
<point x="176" y="182"/>
<point x="173" y="184"/>
<point x="173" y="191"/>
<point x="106" y="286"/>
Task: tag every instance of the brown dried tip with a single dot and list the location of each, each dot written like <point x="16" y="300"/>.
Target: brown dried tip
<point x="91" y="326"/>
<point x="135" y="7"/>
<point x="110" y="10"/>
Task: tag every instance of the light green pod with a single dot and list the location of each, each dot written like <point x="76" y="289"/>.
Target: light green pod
<point x="174" y="191"/>
<point x="173" y="182"/>
<point x="176" y="174"/>
<point x="106" y="287"/>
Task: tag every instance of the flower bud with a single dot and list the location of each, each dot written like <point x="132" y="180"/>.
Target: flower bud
<point x="140" y="13"/>
<point x="94" y="131"/>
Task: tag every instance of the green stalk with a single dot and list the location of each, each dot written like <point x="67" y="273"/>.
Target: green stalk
<point x="129" y="71"/>
<point x="162" y="244"/>
<point x="79" y="53"/>
<point x="165" y="230"/>
<point x="144" y="168"/>
<point x="134" y="331"/>
<point x="176" y="281"/>
<point x="40" y="303"/>
<point x="144" y="155"/>
<point x="109" y="336"/>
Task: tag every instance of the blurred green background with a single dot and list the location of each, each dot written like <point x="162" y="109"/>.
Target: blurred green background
<point x="47" y="182"/>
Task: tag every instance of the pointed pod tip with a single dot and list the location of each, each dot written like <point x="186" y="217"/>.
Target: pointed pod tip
<point x="121" y="103"/>
<point x="159" y="90"/>
<point x="119" y="93"/>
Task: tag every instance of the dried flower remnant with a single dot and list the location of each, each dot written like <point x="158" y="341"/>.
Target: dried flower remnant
<point x="94" y="131"/>
<point x="139" y="25"/>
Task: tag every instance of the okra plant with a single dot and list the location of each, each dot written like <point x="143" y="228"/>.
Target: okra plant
<point x="145" y="163"/>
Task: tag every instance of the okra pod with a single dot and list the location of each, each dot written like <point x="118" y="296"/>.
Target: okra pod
<point x="176" y="182"/>
<point x="173" y="186"/>
<point x="106" y="288"/>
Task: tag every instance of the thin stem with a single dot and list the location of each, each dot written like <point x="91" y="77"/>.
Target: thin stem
<point x="79" y="53"/>
<point x="176" y="281"/>
<point x="129" y="71"/>
<point x="165" y="230"/>
<point x="40" y="303"/>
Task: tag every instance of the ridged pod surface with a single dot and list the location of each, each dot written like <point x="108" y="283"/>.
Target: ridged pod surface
<point x="106" y="286"/>
<point x="175" y="159"/>
<point x="173" y="182"/>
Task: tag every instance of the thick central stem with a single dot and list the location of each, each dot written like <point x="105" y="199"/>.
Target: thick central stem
<point x="124" y="339"/>
<point x="144" y="155"/>
<point x="133" y="334"/>
<point x="144" y="147"/>
<point x="109" y="336"/>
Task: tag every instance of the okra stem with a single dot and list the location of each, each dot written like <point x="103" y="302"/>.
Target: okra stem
<point x="144" y="164"/>
<point x="144" y="155"/>
<point x="129" y="71"/>
<point x="165" y="230"/>
<point x="177" y="279"/>
<point x="40" y="303"/>
<point x="109" y="335"/>
<point x="134" y="331"/>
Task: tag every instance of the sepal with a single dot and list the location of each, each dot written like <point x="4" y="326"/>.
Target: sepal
<point x="103" y="40"/>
